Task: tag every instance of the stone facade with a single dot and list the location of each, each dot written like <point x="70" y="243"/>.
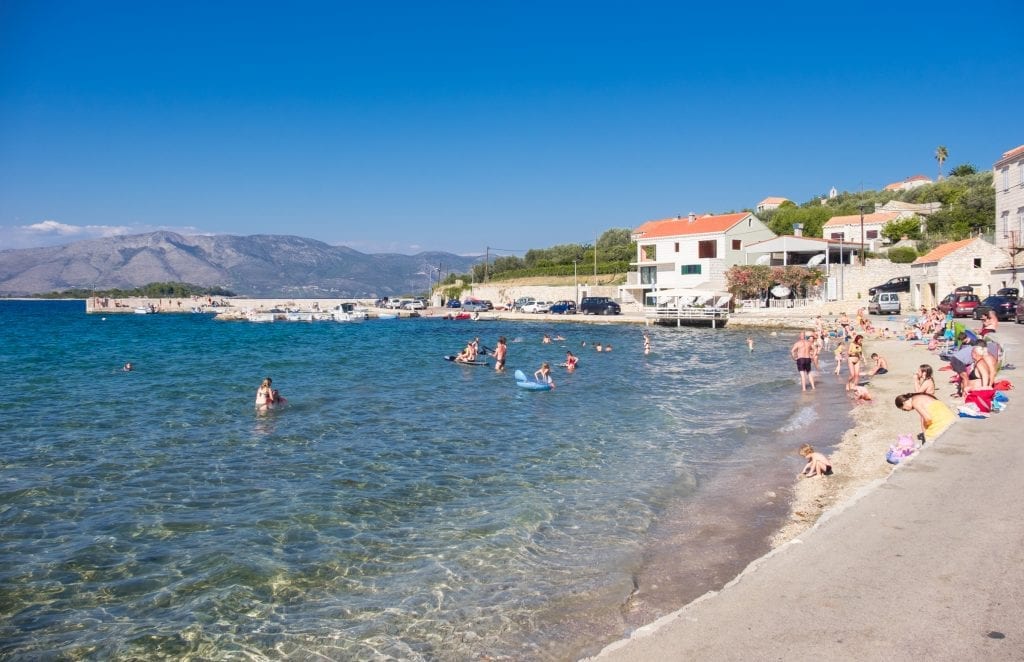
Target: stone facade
<point x="969" y="262"/>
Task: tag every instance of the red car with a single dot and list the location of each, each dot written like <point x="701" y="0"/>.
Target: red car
<point x="961" y="303"/>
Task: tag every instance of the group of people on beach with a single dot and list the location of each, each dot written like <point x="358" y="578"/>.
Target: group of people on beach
<point x="974" y="359"/>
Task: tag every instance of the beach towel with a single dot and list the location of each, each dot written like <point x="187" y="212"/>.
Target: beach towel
<point x="971" y="411"/>
<point x="1003" y="385"/>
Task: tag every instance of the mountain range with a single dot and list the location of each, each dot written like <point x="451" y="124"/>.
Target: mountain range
<point x="252" y="266"/>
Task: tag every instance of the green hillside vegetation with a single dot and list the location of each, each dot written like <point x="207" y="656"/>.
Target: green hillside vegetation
<point x="615" y="250"/>
<point x="968" y="208"/>
<point x="152" y="291"/>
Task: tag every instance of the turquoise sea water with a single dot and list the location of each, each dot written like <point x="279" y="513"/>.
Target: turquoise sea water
<point x="399" y="507"/>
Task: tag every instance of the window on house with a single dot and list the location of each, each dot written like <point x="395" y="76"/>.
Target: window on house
<point x="1004" y="224"/>
<point x="707" y="249"/>
<point x="977" y="263"/>
<point x="648" y="253"/>
<point x="1006" y="178"/>
<point x="648" y="275"/>
<point x="1020" y="221"/>
<point x="737" y="244"/>
<point x="836" y="235"/>
<point x="872" y="234"/>
<point x="689" y="269"/>
<point x="677" y="246"/>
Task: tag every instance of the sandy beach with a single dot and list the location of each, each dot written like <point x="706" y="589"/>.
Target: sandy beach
<point x="830" y="584"/>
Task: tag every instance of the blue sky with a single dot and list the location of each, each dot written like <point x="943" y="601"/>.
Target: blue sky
<point x="409" y="126"/>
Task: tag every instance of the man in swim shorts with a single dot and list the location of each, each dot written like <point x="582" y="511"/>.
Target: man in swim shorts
<point x="499" y="354"/>
<point x="801" y="352"/>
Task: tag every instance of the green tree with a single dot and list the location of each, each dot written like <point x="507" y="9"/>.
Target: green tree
<point x="963" y="170"/>
<point x="941" y="154"/>
<point x="902" y="227"/>
<point x="902" y="254"/>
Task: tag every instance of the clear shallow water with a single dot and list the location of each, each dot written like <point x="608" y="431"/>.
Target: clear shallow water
<point x="400" y="507"/>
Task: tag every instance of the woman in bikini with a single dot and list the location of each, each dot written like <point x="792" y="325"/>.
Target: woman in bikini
<point x="854" y="353"/>
<point x="264" y="395"/>
<point x="990" y="324"/>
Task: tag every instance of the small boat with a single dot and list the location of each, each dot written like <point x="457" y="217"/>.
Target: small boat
<point x="145" y="310"/>
<point x="299" y="316"/>
<point x="346" y="312"/>
<point x="260" y="317"/>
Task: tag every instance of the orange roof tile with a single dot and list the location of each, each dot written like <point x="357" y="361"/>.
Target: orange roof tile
<point x="942" y="250"/>
<point x="854" y="219"/>
<point x="1013" y="152"/>
<point x="773" y="201"/>
<point x="681" y="225"/>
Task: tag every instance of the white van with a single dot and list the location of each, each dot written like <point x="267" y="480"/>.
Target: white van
<point x="884" y="303"/>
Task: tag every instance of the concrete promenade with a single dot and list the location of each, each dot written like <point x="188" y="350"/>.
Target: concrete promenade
<point x="925" y="565"/>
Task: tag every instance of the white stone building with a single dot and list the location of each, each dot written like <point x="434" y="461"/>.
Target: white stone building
<point x="1008" y="179"/>
<point x="691" y="252"/>
<point x="948" y="266"/>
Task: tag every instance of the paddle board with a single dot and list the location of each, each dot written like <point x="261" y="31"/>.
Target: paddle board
<point x="452" y="357"/>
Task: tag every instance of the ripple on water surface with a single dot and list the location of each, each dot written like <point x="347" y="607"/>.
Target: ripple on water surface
<point x="399" y="506"/>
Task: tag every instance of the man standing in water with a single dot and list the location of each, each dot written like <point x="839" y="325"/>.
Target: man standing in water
<point x="801" y="352"/>
<point x="499" y="354"/>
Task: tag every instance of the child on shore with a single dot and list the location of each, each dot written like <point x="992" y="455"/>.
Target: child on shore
<point x="839" y="357"/>
<point x="817" y="464"/>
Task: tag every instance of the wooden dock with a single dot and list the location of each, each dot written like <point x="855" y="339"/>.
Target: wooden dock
<point x="688" y="316"/>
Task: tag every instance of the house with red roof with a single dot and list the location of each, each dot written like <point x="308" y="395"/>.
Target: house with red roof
<point x="691" y="252"/>
<point x="951" y="265"/>
<point x="908" y="183"/>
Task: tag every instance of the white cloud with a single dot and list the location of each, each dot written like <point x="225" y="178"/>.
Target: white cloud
<point x="65" y="230"/>
<point x="55" y="233"/>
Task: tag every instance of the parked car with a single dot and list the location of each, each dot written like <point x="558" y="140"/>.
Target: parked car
<point x="1009" y="292"/>
<point x="599" y="306"/>
<point x="897" y="284"/>
<point x="398" y="303"/>
<point x="454" y="303"/>
<point x="415" y="304"/>
<point x="473" y="305"/>
<point x="1020" y="311"/>
<point x="537" y="307"/>
<point x="961" y="304"/>
<point x="565" y="307"/>
<point x="884" y="303"/>
<point x="522" y="301"/>
<point x="1005" y="307"/>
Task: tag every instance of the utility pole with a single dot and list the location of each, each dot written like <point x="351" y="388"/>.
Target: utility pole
<point x="487" y="258"/>
<point x="595" y="261"/>
<point x="863" y="260"/>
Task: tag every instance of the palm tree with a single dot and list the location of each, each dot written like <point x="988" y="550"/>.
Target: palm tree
<point x="941" y="154"/>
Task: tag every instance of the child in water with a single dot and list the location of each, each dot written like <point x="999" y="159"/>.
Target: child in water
<point x="817" y="464"/>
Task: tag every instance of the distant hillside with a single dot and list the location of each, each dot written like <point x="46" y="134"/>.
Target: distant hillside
<point x="255" y="266"/>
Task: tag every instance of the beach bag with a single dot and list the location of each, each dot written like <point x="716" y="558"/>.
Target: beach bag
<point x="981" y="398"/>
<point x="903" y="448"/>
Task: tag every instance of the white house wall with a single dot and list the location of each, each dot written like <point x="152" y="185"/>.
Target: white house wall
<point x="1008" y="180"/>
